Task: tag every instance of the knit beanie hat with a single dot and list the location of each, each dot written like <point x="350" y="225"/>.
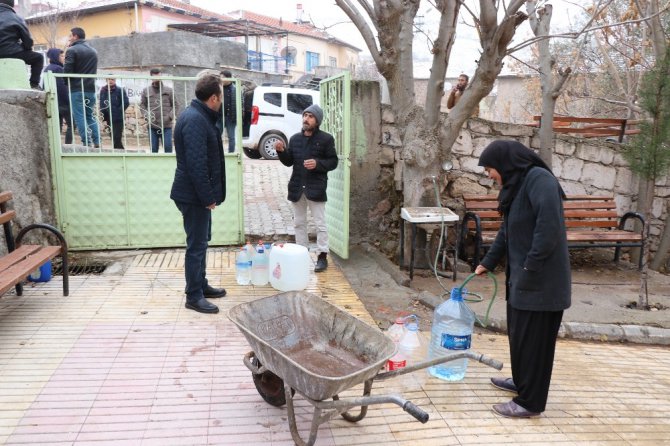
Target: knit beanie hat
<point x="8" y="2"/>
<point x="316" y="111"/>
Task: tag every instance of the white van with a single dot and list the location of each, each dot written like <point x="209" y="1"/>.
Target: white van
<point x="272" y="113"/>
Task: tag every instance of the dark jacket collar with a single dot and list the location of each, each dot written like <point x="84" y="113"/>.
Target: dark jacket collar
<point x="202" y="108"/>
<point x="3" y="6"/>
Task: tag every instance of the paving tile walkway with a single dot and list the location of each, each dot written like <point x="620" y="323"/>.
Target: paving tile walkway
<point x="122" y="362"/>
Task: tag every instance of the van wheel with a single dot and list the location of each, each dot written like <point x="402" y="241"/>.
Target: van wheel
<point x="253" y="154"/>
<point x="266" y="146"/>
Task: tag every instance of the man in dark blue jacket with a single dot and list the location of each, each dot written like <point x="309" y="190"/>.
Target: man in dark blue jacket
<point x="56" y="58"/>
<point x="199" y="186"/>
<point x="312" y="155"/>
<point x="17" y="43"/>
<point x="113" y="105"/>
<point x="229" y="109"/>
<point x="81" y="58"/>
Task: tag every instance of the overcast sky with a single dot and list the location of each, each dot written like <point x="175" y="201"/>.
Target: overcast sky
<point x="324" y="13"/>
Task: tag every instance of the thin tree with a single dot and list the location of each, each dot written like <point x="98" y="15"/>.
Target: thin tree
<point x="649" y="152"/>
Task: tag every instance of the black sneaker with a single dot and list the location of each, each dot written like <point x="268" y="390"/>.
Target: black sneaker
<point x="321" y="262"/>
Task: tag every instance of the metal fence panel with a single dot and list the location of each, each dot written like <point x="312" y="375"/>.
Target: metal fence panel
<point x="336" y="104"/>
<point x="108" y="198"/>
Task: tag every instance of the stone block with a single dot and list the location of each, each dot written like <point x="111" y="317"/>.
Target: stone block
<point x="479" y="126"/>
<point x="624" y="181"/>
<point x="573" y="188"/>
<point x="599" y="176"/>
<point x="572" y="169"/>
<point x="471" y="164"/>
<point x="466" y="185"/>
<point x="391" y="136"/>
<point x="512" y="130"/>
<point x="597" y="154"/>
<point x="387" y="115"/>
<point x="386" y="156"/>
<point x="463" y="144"/>
<point x="564" y="147"/>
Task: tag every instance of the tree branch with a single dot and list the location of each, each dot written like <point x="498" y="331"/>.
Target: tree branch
<point x="352" y="12"/>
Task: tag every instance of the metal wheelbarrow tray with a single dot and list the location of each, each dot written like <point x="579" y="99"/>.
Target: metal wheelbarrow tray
<point x="319" y="350"/>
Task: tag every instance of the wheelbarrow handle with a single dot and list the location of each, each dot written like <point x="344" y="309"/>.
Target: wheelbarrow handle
<point x="252" y="368"/>
<point x="491" y="362"/>
<point x="416" y="411"/>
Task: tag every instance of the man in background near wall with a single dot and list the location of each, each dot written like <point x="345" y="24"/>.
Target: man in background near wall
<point x="229" y="109"/>
<point x="159" y="107"/>
<point x="81" y="58"/>
<point x="56" y="58"/>
<point x="457" y="92"/>
<point x="17" y="43"/>
<point x="113" y="105"/>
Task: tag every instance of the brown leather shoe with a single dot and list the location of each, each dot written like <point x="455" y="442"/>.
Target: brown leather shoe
<point x="506" y="384"/>
<point x="511" y="409"/>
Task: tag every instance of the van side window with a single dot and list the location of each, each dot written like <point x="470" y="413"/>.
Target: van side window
<point x="272" y="98"/>
<point x="296" y="103"/>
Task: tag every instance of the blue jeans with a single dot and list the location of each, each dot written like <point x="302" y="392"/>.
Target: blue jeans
<point x="164" y="135"/>
<point x="82" y="106"/>
<point x="198" y="228"/>
<point x="230" y="131"/>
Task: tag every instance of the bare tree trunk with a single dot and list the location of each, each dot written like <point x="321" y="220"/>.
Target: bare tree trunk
<point x="661" y="257"/>
<point x="643" y="296"/>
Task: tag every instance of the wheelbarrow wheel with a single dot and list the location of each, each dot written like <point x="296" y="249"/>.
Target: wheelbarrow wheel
<point x="269" y="386"/>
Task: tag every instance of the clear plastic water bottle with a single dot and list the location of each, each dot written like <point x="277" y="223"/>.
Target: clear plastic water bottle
<point x="259" y="266"/>
<point x="395" y="332"/>
<point x="453" y="323"/>
<point x="243" y="267"/>
<point x="412" y="344"/>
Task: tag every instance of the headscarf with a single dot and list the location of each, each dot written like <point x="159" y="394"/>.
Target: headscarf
<point x="512" y="160"/>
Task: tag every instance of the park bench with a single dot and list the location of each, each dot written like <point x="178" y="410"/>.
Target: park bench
<point x="591" y="221"/>
<point x="592" y="127"/>
<point x="21" y="260"/>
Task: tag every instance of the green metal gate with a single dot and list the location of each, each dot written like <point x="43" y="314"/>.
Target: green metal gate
<point x="336" y="104"/>
<point x="112" y="199"/>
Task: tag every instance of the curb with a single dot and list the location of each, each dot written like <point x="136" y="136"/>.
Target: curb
<point x="634" y="334"/>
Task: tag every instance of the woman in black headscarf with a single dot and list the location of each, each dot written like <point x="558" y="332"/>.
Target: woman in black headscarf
<point x="532" y="237"/>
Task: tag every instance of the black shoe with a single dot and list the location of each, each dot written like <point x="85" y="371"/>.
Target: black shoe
<point x="321" y="263"/>
<point x="202" y="306"/>
<point x="504" y="384"/>
<point x="213" y="293"/>
<point x="36" y="87"/>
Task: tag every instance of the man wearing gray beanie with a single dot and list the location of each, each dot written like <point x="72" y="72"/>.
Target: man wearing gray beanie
<point x="312" y="155"/>
<point x="17" y="43"/>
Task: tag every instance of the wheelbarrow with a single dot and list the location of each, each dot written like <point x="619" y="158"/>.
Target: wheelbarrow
<point x="301" y="343"/>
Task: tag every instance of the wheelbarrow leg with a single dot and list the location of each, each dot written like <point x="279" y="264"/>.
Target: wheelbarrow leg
<point x="367" y="388"/>
<point x="316" y="418"/>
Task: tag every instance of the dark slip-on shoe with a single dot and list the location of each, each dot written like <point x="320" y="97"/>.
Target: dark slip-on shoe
<point x="504" y="384"/>
<point x="202" y="306"/>
<point x="511" y="409"/>
<point x="213" y="293"/>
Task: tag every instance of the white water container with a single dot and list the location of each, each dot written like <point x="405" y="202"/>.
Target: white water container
<point x="289" y="267"/>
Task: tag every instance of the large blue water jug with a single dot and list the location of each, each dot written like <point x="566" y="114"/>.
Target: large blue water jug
<point x="453" y="323"/>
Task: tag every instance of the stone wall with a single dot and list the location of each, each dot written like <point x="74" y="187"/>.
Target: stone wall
<point x="583" y="166"/>
<point x="25" y="163"/>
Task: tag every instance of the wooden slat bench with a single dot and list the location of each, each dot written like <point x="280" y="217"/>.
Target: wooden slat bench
<point x="591" y="222"/>
<point x="21" y="260"/>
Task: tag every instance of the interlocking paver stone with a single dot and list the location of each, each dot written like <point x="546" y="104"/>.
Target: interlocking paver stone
<point x="120" y="361"/>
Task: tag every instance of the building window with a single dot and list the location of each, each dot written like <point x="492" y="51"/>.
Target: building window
<point x="311" y="62"/>
<point x="333" y="61"/>
<point x="289" y="53"/>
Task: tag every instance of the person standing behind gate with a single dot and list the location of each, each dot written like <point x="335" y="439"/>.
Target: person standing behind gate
<point x="199" y="186"/>
<point x="17" y="43"/>
<point x="312" y="155"/>
<point x="159" y="107"/>
<point x="113" y="105"/>
<point x="56" y="58"/>
<point x="537" y="271"/>
<point x="229" y="109"/>
<point x="80" y="58"/>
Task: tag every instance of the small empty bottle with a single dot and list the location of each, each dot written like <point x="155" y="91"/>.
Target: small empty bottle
<point x="243" y="267"/>
<point x="259" y="266"/>
<point x="412" y="344"/>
